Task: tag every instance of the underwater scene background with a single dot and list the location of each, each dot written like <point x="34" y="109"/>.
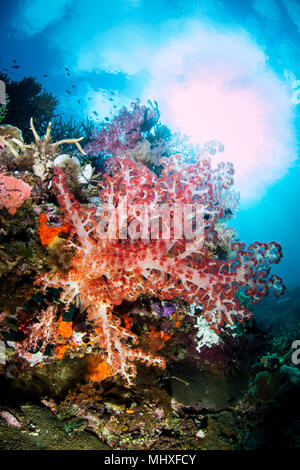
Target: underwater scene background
<point x="149" y="225"/>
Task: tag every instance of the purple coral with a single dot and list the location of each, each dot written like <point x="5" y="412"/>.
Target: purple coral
<point x="163" y="309"/>
<point x="124" y="132"/>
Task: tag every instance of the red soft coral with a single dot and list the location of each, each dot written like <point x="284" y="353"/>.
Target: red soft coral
<point x="109" y="266"/>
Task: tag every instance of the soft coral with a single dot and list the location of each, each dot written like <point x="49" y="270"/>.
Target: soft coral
<point x="104" y="271"/>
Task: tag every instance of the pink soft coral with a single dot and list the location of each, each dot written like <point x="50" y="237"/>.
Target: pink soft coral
<point x="13" y="192"/>
<point x="105" y="270"/>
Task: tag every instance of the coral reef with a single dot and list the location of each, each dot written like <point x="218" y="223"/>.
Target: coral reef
<point x="124" y="132"/>
<point x="136" y="266"/>
<point x="136" y="134"/>
<point x="104" y="272"/>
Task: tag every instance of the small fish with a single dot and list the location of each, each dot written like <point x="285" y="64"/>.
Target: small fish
<point x="45" y="75"/>
<point x="14" y="60"/>
<point x="281" y="301"/>
<point x="67" y="69"/>
<point x="73" y="86"/>
<point x="68" y="91"/>
<point x="15" y="66"/>
<point x="68" y="74"/>
<point x="114" y="106"/>
<point x="112" y="93"/>
<point x="95" y="112"/>
<point x="111" y="99"/>
<point x="106" y="118"/>
<point x="79" y="337"/>
<point x="78" y="101"/>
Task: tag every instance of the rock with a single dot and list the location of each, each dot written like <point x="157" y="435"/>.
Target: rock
<point x="203" y="389"/>
<point x="271" y="385"/>
<point x="43" y="431"/>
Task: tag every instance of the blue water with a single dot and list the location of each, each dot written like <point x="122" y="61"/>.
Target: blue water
<point x="91" y="39"/>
